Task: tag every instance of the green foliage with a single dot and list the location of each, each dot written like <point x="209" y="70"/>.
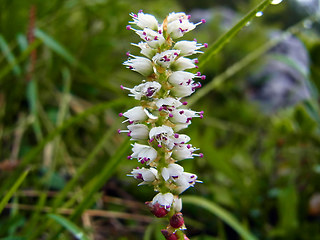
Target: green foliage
<point x="260" y="173"/>
<point x="72" y="228"/>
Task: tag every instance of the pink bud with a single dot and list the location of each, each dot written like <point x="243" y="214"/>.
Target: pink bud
<point x="176" y="221"/>
<point x="168" y="235"/>
<point x="157" y="209"/>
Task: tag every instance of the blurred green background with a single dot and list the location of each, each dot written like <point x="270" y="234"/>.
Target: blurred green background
<point x="60" y="72"/>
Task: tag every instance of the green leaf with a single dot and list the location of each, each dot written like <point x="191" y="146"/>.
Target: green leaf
<point x="221" y="213"/>
<point x="10" y="57"/>
<point x="71" y="227"/>
<point x="287" y="208"/>
<point x="225" y="38"/>
<point x="13" y="189"/>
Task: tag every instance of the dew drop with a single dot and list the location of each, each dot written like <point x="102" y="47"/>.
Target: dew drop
<point x="259" y="14"/>
<point x="275" y="2"/>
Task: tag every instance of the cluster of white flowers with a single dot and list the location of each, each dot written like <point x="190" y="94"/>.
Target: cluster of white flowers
<point x="154" y="124"/>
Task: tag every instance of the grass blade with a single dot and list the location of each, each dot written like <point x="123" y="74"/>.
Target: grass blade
<point x="13" y="189"/>
<point x="71" y="227"/>
<point x="222" y="214"/>
<point x="22" y="57"/>
<point x="225" y="38"/>
<point x="10" y="57"/>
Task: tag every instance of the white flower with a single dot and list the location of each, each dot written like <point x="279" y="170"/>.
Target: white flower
<point x="177" y="204"/>
<point x="183" y="151"/>
<point x="181" y="138"/>
<point x="164" y="200"/>
<point x="183" y="63"/>
<point x="178" y="24"/>
<point x="143" y="153"/>
<point x="185" y="181"/>
<point x="175" y="16"/>
<point x="146" y="50"/>
<point x="143" y="20"/>
<point x="148" y="89"/>
<point x="182" y="91"/>
<point x="168" y="104"/>
<point x="138" y="131"/>
<point x="135" y="114"/>
<point x="180" y="77"/>
<point x="179" y="27"/>
<point x="153" y="38"/>
<point x="147" y="175"/>
<point x="173" y="171"/>
<point x="141" y="65"/>
<point x="184" y="115"/>
<point x="188" y="47"/>
<point x="166" y="58"/>
<point x="163" y="135"/>
<point x="183" y="83"/>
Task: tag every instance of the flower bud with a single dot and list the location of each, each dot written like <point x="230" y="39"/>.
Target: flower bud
<point x="157" y="210"/>
<point x="168" y="235"/>
<point x="176" y="221"/>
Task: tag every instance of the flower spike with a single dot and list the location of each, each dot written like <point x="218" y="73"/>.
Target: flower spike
<point x="155" y="122"/>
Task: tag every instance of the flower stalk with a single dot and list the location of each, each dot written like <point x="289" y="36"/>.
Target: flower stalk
<point x="155" y="123"/>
